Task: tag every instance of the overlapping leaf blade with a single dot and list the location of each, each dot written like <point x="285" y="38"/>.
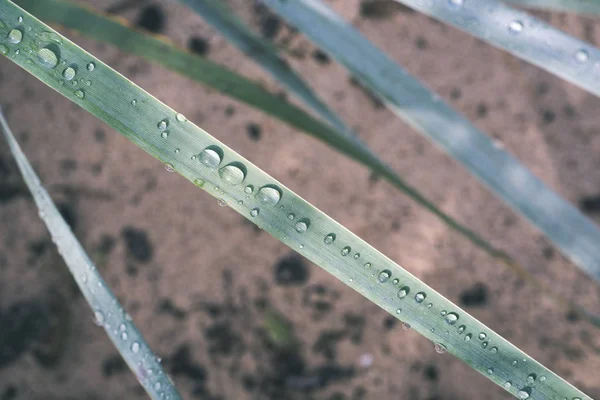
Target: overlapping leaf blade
<point x="576" y="6"/>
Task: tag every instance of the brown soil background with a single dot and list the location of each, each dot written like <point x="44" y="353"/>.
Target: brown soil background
<point x="199" y="280"/>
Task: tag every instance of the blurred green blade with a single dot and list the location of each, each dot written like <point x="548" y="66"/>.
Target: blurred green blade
<point x="222" y="18"/>
<point x="574" y="234"/>
<point x="247" y="189"/>
<point x="576" y="6"/>
<point x="108" y="312"/>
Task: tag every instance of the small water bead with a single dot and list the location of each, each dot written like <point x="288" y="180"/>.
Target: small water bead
<point x="3" y="49"/>
<point x="490" y="371"/>
<point x="162" y="125"/>
<point x="124" y="335"/>
<point x="398" y="310"/>
<point x="180" y="117"/>
<point x="169" y="167"/>
<point x="531" y="378"/>
<point x="420" y="297"/>
<point x="356" y="256"/>
<point x="451" y="318"/>
<point x="524" y="393"/>
<point x="69" y="73"/>
<point x="157" y="386"/>
<point x="513" y="363"/>
<point x="482" y="336"/>
<point x="249" y="189"/>
<point x="507" y="385"/>
<point x="199" y="182"/>
<point x="461" y="329"/>
<point x="384" y="276"/>
<point x="233" y="173"/>
<point x="122" y="327"/>
<point x="429" y="305"/>
<point x="47" y="57"/>
<point x="269" y="195"/>
<point x="133" y="102"/>
<point x="456" y="3"/>
<point x="484" y="345"/>
<point x="164" y="135"/>
<point x="222" y="202"/>
<point x="404" y="290"/>
<point x="20" y="19"/>
<point x="395" y="281"/>
<point x="515" y="27"/>
<point x="367" y="265"/>
<point x="98" y="317"/>
<point x="135" y="347"/>
<point x="494" y="349"/>
<point x="346" y="250"/>
<point x="241" y="202"/>
<point x="468" y="337"/>
<point x="443" y="313"/>
<point x="254" y="212"/>
<point x="301" y="226"/>
<point x="542" y="378"/>
<point x="80" y="93"/>
<point x="210" y="157"/>
<point x="329" y="239"/>
<point x="439" y="348"/>
<point x="15" y="36"/>
<point x="582" y="56"/>
<point x="91" y="66"/>
<point x="177" y="151"/>
<point x="405" y="326"/>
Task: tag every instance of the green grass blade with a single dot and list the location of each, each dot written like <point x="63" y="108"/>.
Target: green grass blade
<point x="222" y="18"/>
<point x="574" y="234"/>
<point x="108" y="312"/>
<point x="224" y="174"/>
<point x="576" y="6"/>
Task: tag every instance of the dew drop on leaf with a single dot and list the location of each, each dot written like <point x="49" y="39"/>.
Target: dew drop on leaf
<point x="254" y="212"/>
<point x="420" y="297"/>
<point x="47" y="57"/>
<point x="222" y="202"/>
<point x="15" y="36"/>
<point x="384" y="276"/>
<point x="269" y="195"/>
<point x="531" y="378"/>
<point x="346" y="250"/>
<point x="524" y="393"/>
<point x="199" y="182"/>
<point x="582" y="56"/>
<point x="80" y="93"/>
<point x="482" y="336"/>
<point x="249" y="189"/>
<point x="404" y="290"/>
<point x="91" y="66"/>
<point x="180" y="117"/>
<point x="301" y="226"/>
<point x="451" y="318"/>
<point x="233" y="174"/>
<point x="515" y="27"/>
<point x="135" y="347"/>
<point x="439" y="348"/>
<point x="468" y="337"/>
<point x="69" y="73"/>
<point x="169" y="167"/>
<point x="98" y="317"/>
<point x="210" y="157"/>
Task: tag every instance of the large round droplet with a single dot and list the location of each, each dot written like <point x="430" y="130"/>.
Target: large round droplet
<point x="346" y="250"/>
<point x="163" y="125"/>
<point x="531" y="378"/>
<point x="249" y="189"/>
<point x="233" y="173"/>
<point x="482" y="336"/>
<point x="254" y="212"/>
<point x="524" y="393"/>
<point x="302" y="225"/>
<point x="269" y="195"/>
<point x="210" y="157"/>
<point x="47" y="57"/>
<point x="69" y="73"/>
<point x="384" y="276"/>
<point x="468" y="337"/>
<point x="420" y="297"/>
<point x="461" y="329"/>
<point x="515" y="27"/>
<point x="451" y="318"/>
<point x="80" y="93"/>
<point x="15" y="36"/>
<point x="329" y="239"/>
<point x="507" y="385"/>
<point x="404" y="290"/>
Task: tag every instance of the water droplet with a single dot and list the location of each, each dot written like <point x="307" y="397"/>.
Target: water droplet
<point x="210" y="157"/>
<point x="396" y="281"/>
<point x="507" y="385"/>
<point x="180" y="117"/>
<point x="234" y="173"/>
<point x="249" y="189"/>
<point x="20" y="19"/>
<point x="254" y="212"/>
<point x="329" y="239"/>
<point x="429" y="305"/>
<point x="222" y="202"/>
<point x="404" y="290"/>
<point x="91" y="66"/>
<point x="241" y="202"/>
<point x="582" y="56"/>
<point x="169" y="167"/>
<point x="98" y="317"/>
<point x="128" y="317"/>
<point x="398" y="310"/>
<point x="461" y="329"/>
<point x="405" y="326"/>
<point x="135" y="347"/>
<point x="468" y="337"/>
<point x="157" y="386"/>
<point x="47" y="57"/>
<point x="69" y="73"/>
<point x="80" y="93"/>
<point x="443" y="313"/>
<point x="439" y="348"/>
<point x="451" y="318"/>
<point x="456" y="3"/>
<point x="513" y="363"/>
<point x="384" y="276"/>
<point x="199" y="182"/>
<point x="542" y="378"/>
<point x="490" y="371"/>
<point x="133" y="102"/>
<point x="494" y="349"/>
<point x="420" y="297"/>
<point x="346" y="250"/>
<point x="515" y="27"/>
<point x="122" y="327"/>
<point x="162" y="125"/>
<point x="524" y="393"/>
<point x="124" y="335"/>
<point x="482" y="336"/>
<point x="269" y="195"/>
<point x="367" y="265"/>
<point x="356" y="256"/>
<point x="177" y="151"/>
<point x="531" y="378"/>
<point x="15" y="36"/>
<point x="3" y="49"/>
<point x="302" y="225"/>
<point x="164" y="135"/>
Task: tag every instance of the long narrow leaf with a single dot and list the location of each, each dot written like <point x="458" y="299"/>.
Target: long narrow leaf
<point x="574" y="234"/>
<point x="248" y="190"/>
<point x="576" y="6"/>
<point x="216" y="13"/>
<point x="108" y="312"/>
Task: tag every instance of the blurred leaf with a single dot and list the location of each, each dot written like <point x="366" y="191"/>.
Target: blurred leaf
<point x="574" y="234"/>
<point x="576" y="6"/>
<point x="108" y="312"/>
<point x="279" y="329"/>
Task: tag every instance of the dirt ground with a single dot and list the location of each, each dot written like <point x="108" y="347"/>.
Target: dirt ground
<point x="202" y="284"/>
